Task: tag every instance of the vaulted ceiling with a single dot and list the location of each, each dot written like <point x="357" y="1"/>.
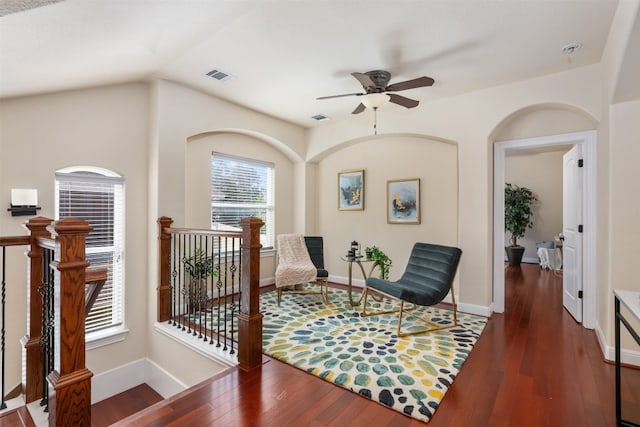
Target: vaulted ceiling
<point x="283" y="54"/>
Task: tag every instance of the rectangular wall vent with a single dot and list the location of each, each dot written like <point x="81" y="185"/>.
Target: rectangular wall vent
<point x="219" y="75"/>
<point x="320" y="117"/>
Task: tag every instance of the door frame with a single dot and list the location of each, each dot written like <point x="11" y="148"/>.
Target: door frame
<point x="587" y="140"/>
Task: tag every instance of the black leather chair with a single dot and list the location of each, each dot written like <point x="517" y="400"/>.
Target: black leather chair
<point x="315" y="246"/>
<point x="427" y="280"/>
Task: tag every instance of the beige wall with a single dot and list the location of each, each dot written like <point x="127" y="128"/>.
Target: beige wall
<point x="625" y="203"/>
<point x="386" y="158"/>
<point x="180" y="115"/>
<point x="542" y="174"/>
<point x="198" y="181"/>
<point x="472" y="121"/>
<point x="105" y="127"/>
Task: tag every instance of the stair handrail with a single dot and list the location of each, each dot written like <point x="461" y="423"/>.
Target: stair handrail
<point x="249" y="318"/>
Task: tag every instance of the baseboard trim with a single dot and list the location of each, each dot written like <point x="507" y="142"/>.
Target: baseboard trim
<point x="627" y="356"/>
<point x="358" y="283"/>
<point x="478" y="310"/>
<point x="125" y="377"/>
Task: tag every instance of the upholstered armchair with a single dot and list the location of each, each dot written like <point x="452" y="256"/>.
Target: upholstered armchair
<point x="426" y="281"/>
<point x="296" y="268"/>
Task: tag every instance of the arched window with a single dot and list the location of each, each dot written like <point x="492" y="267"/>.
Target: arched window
<point x="97" y="196"/>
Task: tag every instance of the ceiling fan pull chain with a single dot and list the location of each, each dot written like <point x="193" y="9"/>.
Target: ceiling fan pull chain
<point x="375" y="120"/>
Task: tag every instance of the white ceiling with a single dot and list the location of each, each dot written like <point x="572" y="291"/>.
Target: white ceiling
<point x="285" y="54"/>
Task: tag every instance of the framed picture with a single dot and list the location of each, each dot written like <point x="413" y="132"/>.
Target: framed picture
<point x="403" y="201"/>
<point x="351" y="190"/>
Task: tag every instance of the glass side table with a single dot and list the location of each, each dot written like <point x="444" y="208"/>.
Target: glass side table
<point x="360" y="261"/>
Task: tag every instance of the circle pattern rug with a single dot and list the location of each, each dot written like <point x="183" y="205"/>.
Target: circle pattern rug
<point x="363" y="354"/>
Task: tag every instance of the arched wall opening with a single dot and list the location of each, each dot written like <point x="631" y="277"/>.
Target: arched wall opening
<point x="248" y="145"/>
<point x="385" y="158"/>
<point x="536" y="129"/>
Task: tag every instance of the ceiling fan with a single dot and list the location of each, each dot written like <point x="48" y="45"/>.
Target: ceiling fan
<point x="376" y="85"/>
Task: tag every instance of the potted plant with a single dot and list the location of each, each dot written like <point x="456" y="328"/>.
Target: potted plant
<point x="518" y="215"/>
<point x="384" y="262"/>
<point x="199" y="266"/>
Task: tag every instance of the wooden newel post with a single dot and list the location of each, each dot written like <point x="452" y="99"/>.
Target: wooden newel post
<point x="70" y="381"/>
<point x="164" y="254"/>
<point x="33" y="352"/>
<point x="250" y="318"/>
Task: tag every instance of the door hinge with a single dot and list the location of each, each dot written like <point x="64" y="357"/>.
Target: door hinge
<point x="580" y="228"/>
<point x="580" y="163"/>
<point x="579" y="294"/>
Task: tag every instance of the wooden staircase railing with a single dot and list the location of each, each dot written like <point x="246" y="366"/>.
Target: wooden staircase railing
<point x="67" y="388"/>
<point x="175" y="296"/>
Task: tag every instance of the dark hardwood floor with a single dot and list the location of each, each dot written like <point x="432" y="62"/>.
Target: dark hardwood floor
<point x="532" y="366"/>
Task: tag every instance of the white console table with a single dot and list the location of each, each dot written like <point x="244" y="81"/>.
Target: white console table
<point x="631" y="300"/>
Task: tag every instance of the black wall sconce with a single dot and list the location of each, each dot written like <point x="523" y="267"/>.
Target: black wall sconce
<point x="23" y="202"/>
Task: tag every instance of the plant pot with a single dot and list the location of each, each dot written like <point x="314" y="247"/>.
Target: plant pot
<point x="514" y="254"/>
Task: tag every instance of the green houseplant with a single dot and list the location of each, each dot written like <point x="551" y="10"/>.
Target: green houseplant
<point x="384" y="262"/>
<point x="518" y="213"/>
<point x="199" y="266"/>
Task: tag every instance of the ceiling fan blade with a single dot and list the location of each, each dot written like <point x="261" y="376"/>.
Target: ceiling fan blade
<point x="364" y="79"/>
<point x="410" y="84"/>
<point x="359" y="109"/>
<point x="404" y="101"/>
<point x="340" y="96"/>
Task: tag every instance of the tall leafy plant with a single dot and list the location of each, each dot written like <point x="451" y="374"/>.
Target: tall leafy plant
<point x="518" y="213"/>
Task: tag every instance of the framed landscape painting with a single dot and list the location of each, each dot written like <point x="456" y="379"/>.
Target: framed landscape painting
<point x="403" y="201"/>
<point x="351" y="190"/>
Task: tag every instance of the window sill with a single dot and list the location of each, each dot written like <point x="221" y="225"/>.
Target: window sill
<point x="106" y="337"/>
<point x="267" y="253"/>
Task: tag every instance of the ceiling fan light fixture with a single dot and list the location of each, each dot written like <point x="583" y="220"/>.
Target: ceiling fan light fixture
<point x="375" y="100"/>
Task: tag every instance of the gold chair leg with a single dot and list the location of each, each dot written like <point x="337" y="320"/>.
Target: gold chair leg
<point x="434" y="327"/>
<point x="401" y="311"/>
<point x="324" y="291"/>
<point x="376" y="313"/>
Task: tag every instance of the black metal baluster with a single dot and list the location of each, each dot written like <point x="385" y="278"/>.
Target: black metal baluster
<point x="181" y="279"/>
<point x="172" y="263"/>
<point x="219" y="288"/>
<point x="51" y="324"/>
<point x="233" y="305"/>
<point x="202" y="275"/>
<point x="226" y="294"/>
<point x="3" y="405"/>
<point x="42" y="290"/>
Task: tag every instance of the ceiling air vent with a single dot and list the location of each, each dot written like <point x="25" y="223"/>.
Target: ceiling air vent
<point x="320" y="117"/>
<point x="219" y="75"/>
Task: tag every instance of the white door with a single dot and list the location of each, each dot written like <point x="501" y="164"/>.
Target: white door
<point x="571" y="221"/>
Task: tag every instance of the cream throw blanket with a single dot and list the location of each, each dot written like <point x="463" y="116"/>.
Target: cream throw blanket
<point x="294" y="264"/>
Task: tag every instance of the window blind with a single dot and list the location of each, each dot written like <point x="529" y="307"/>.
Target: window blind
<point x="99" y="200"/>
<point x="240" y="188"/>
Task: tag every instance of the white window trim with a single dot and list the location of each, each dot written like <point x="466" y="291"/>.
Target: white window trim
<point x="116" y="333"/>
<point x="270" y="227"/>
